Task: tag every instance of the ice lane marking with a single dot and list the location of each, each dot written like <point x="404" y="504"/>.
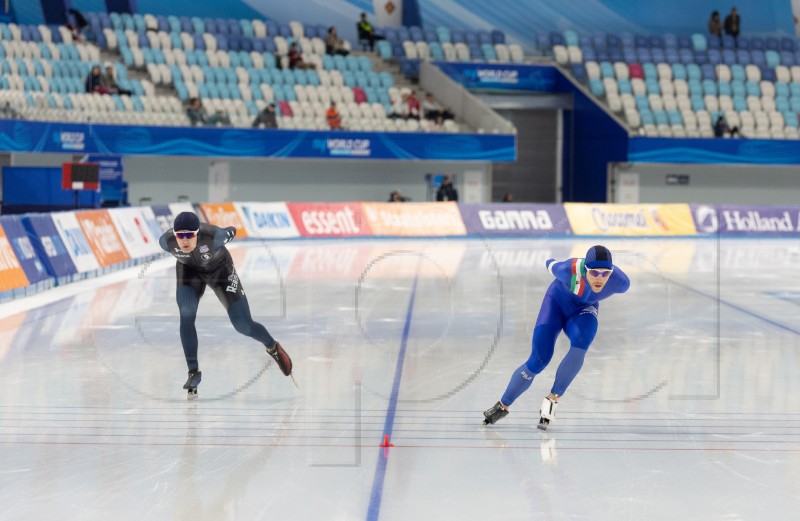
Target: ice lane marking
<point x="374" y="509"/>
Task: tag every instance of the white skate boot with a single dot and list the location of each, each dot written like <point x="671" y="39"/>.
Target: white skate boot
<point x="547" y="413"/>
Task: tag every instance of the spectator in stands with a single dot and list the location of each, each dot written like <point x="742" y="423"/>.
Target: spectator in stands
<point x="508" y="198"/>
<point x="414" y="109"/>
<point x="266" y="118"/>
<point x="333" y="117"/>
<point x="446" y="191"/>
<point x="396" y="197"/>
<point x="399" y="108"/>
<point x="296" y="58"/>
<point x="334" y="44"/>
<point x="111" y="82"/>
<point x="199" y="117"/>
<point x="433" y="111"/>
<point x="77" y="24"/>
<point x="95" y="82"/>
<point x="721" y="128"/>
<point x="733" y="25"/>
<point x="715" y="25"/>
<point x="367" y="33"/>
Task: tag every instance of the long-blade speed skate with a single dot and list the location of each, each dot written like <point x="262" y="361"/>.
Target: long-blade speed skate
<point x="494" y="414"/>
<point x="547" y="413"/>
<point x="192" y="382"/>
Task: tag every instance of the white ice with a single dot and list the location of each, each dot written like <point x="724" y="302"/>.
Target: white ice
<point x="687" y="408"/>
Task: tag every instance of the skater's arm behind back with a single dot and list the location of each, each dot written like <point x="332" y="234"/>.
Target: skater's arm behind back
<point x="163" y="241"/>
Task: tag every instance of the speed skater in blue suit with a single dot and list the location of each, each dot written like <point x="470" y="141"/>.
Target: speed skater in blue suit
<point x="571" y="304"/>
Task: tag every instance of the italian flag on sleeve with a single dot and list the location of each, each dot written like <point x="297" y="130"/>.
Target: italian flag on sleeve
<point x="577" y="285"/>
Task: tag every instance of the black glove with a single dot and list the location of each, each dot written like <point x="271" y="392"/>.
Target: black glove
<point x="230" y="233"/>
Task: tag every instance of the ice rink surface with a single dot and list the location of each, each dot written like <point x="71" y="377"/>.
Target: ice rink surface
<point x="687" y="408"/>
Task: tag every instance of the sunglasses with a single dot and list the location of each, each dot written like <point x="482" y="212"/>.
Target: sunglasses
<point x="185" y="235"/>
<point x="603" y="274"/>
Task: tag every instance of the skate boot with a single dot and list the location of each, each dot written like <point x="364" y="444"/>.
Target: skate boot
<point x="547" y="412"/>
<point x="195" y="375"/>
<point x="494" y="414"/>
<point x="281" y="358"/>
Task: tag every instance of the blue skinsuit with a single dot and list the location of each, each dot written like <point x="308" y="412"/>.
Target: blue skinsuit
<point x="569" y="305"/>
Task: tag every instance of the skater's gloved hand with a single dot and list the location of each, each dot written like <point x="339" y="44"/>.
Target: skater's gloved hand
<point x="230" y="233"/>
<point x="223" y="236"/>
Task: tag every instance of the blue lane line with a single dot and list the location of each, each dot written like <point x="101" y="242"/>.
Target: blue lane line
<point x="738" y="308"/>
<point x="376" y="495"/>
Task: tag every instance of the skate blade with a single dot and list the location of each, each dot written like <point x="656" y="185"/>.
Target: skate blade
<point x="542" y="426"/>
<point x="192" y="395"/>
<point x="293" y="380"/>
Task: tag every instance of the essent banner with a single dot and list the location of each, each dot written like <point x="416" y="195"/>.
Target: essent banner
<point x="329" y="219"/>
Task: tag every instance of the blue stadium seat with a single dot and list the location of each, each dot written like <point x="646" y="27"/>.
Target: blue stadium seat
<point x="653" y="86"/>
<point x="498" y="36"/>
<point x="739" y="104"/>
<point x="771" y="43"/>
<point x="646" y="117"/>
<point x="657" y="41"/>
<point x="650" y="71"/>
<point x="570" y="38"/>
<point x="729" y="56"/>
<point x="642" y="55"/>
<point x="693" y="72"/>
<point x="430" y="35"/>
<point x="787" y="58"/>
<point x="757" y="44"/>
<point x="699" y="42"/>
<point x="613" y="41"/>
<point x="588" y="54"/>
<point x="782" y="104"/>
<point x="640" y="41"/>
<point x="624" y="86"/>
<point x="658" y="55"/>
<point x="768" y="74"/>
<point x="596" y="87"/>
<point x="737" y="72"/>
<point x="781" y="90"/>
<point x="753" y="89"/>
<point x="679" y="71"/>
<point x="489" y="53"/>
<point x="787" y="44"/>
<point x="743" y="57"/>
<point x="698" y="103"/>
<point x="391" y="35"/>
<point x="443" y="34"/>
<point x="434" y="47"/>
<point x="671" y="40"/>
<point x="728" y="42"/>
<point x="790" y="118"/>
<point x="642" y="103"/>
<point x="416" y="34"/>
<point x="773" y="58"/>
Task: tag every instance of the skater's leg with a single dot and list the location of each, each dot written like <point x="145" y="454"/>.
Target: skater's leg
<point x="188" y="300"/>
<point x="543" y="345"/>
<point x="239" y="313"/>
<point x="581" y="330"/>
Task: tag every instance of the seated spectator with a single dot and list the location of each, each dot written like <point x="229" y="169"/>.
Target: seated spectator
<point x="199" y="117"/>
<point x="721" y="129"/>
<point x="334" y="44"/>
<point x="111" y="82"/>
<point x="296" y="58"/>
<point x="508" y="198"/>
<point x="266" y="118"/>
<point x="77" y="24"/>
<point x="95" y="82"/>
<point x="367" y="33"/>
<point x="396" y="197"/>
<point x="413" y="105"/>
<point x="333" y="117"/>
<point x="433" y="111"/>
<point x="399" y="108"/>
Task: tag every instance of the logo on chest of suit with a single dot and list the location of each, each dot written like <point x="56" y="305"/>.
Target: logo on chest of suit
<point x="204" y="248"/>
<point x="205" y="256"/>
<point x="591" y="310"/>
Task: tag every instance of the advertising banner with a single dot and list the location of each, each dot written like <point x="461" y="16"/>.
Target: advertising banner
<point x="747" y="220"/>
<point x="17" y="236"/>
<point x="135" y="231"/>
<point x="630" y="219"/>
<point x="224" y="215"/>
<point x="267" y="220"/>
<point x="102" y="236"/>
<point x="35" y="136"/>
<point x="414" y="219"/>
<point x="328" y="219"/>
<point x="515" y="219"/>
<point x="48" y="244"/>
<point x="163" y="216"/>
<point x="501" y="76"/>
<point x="11" y="273"/>
<point x="74" y="239"/>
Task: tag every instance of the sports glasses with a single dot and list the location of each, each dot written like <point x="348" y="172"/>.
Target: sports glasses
<point x="185" y="235"/>
<point x="603" y="274"/>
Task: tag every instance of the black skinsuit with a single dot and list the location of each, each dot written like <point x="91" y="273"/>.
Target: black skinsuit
<point x="210" y="264"/>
